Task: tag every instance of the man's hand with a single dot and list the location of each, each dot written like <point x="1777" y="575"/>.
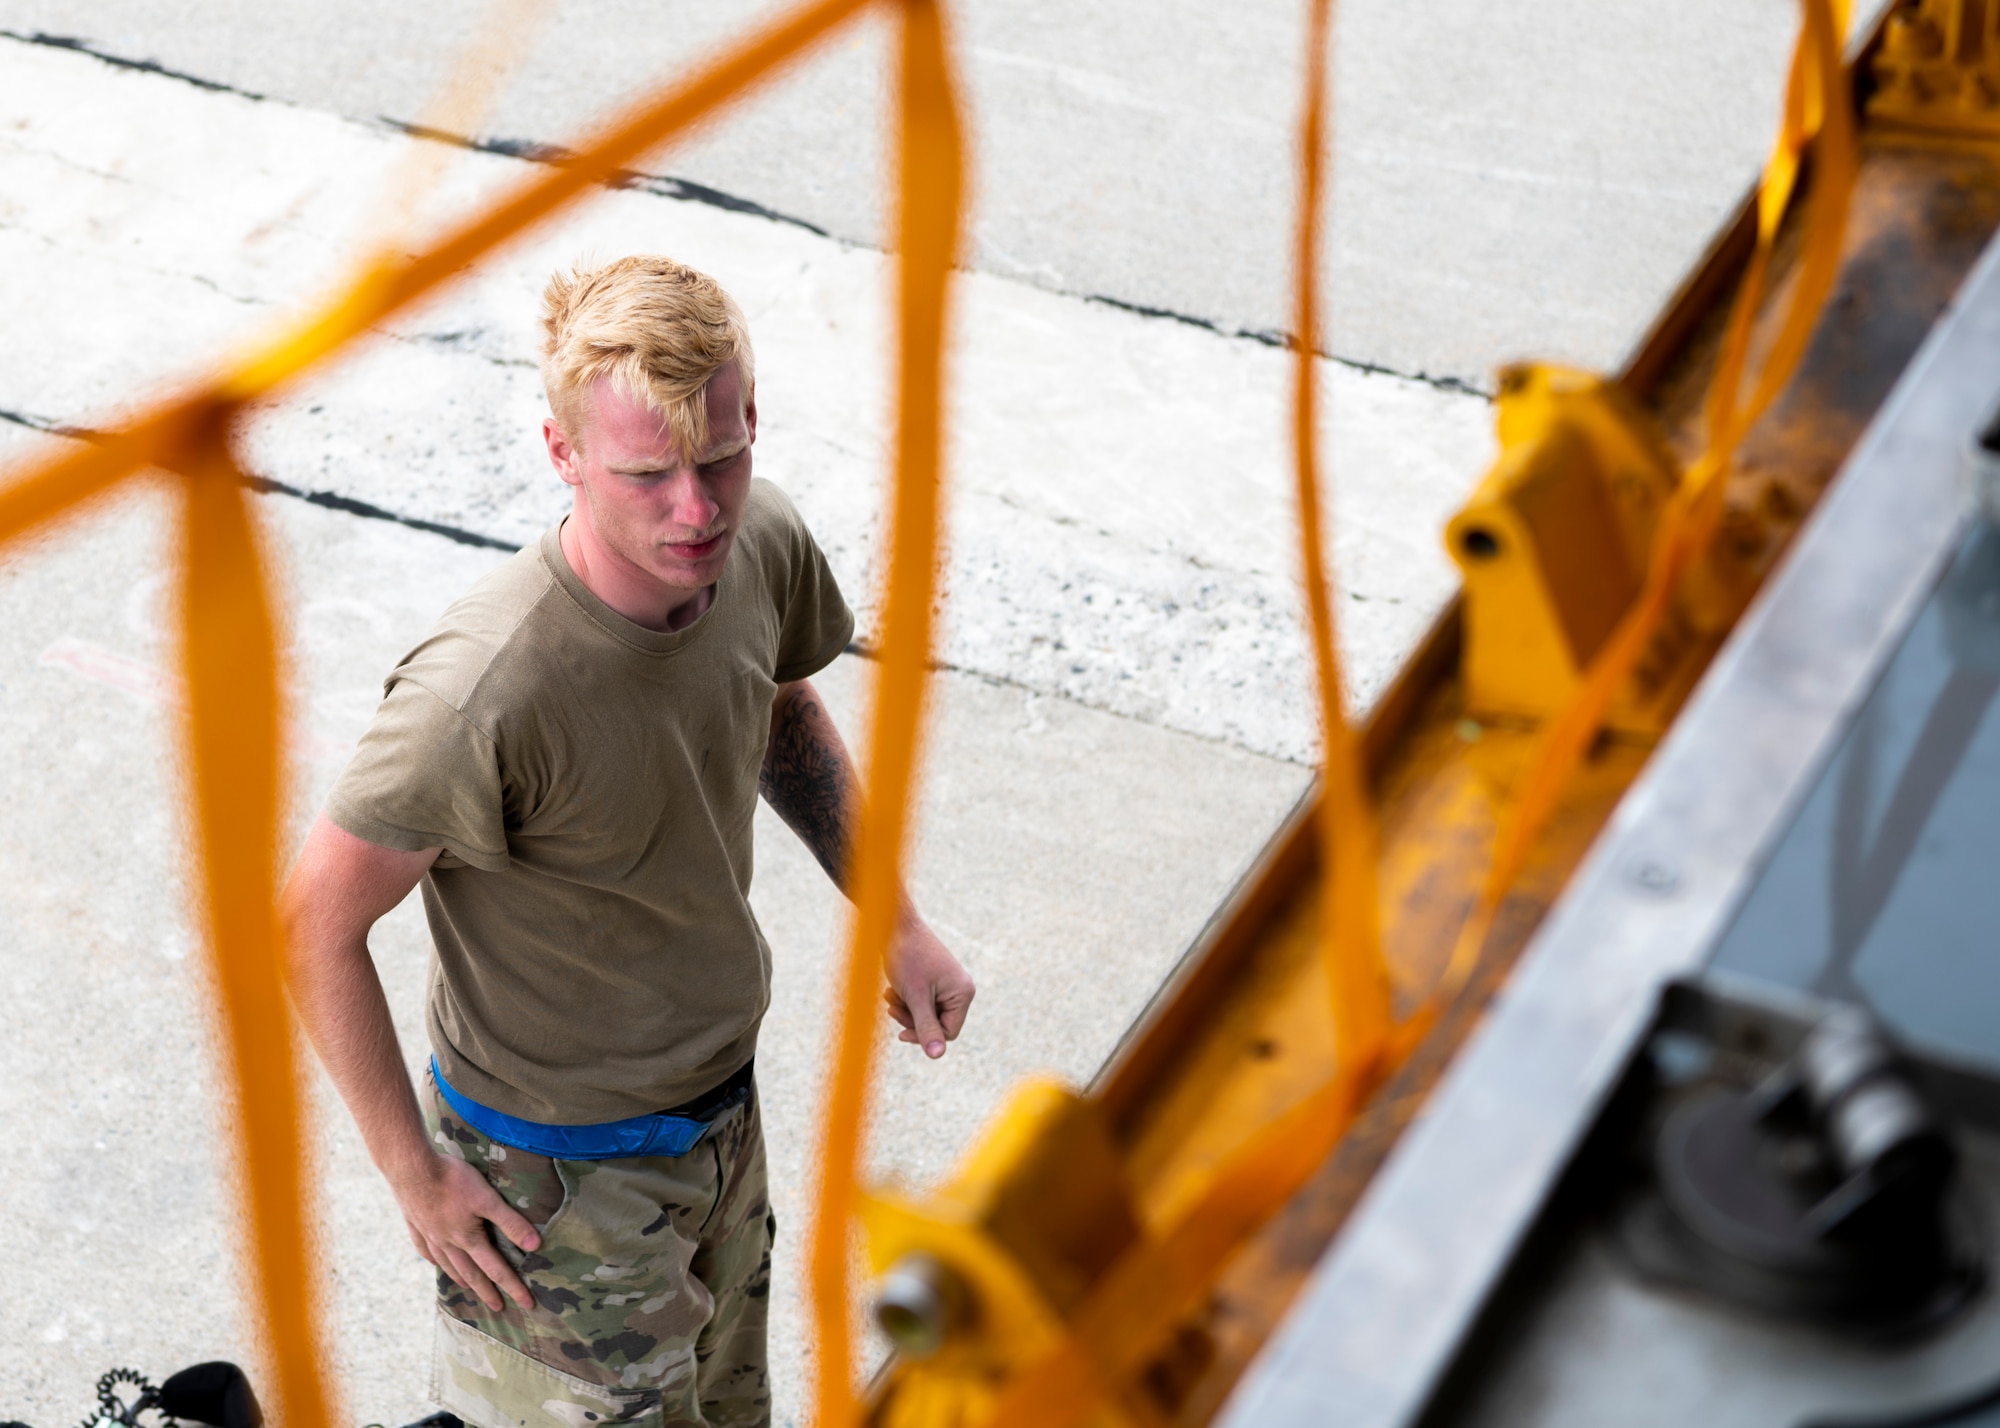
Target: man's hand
<point x="446" y="1206"/>
<point x="928" y="992"/>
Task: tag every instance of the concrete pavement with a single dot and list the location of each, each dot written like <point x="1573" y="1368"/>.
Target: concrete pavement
<point x="1521" y="178"/>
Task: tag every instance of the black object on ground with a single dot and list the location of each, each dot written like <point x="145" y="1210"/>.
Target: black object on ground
<point x="1823" y="1194"/>
<point x="214" y="1394"/>
<point x="217" y="1394"/>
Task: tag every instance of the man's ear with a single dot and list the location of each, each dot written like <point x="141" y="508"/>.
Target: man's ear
<point x="750" y="411"/>
<point x="562" y="455"/>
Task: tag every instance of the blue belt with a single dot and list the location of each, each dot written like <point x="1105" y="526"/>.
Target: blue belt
<point x="674" y="1132"/>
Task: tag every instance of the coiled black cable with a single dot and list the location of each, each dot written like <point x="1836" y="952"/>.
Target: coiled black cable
<point x="111" y="1405"/>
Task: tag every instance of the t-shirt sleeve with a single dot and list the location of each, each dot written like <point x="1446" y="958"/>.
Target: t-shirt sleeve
<point x="814" y="623"/>
<point x="424" y="777"/>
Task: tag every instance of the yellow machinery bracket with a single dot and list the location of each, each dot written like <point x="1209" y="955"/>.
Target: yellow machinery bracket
<point x="1006" y="1250"/>
<point x="1553" y="547"/>
<point x="1938" y="69"/>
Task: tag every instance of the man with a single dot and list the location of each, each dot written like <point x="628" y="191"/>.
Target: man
<point x="569" y="763"/>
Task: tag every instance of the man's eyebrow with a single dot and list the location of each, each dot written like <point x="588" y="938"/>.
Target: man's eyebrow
<point x="643" y="468"/>
<point x="724" y="452"/>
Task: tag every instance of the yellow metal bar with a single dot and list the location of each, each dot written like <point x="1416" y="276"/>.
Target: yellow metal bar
<point x="229" y="650"/>
<point x="1350" y="940"/>
<point x="928" y="232"/>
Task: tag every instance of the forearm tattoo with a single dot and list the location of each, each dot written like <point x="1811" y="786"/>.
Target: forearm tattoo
<point x="806" y="779"/>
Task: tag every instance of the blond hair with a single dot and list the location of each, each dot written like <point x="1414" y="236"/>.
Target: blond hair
<point x="658" y="329"/>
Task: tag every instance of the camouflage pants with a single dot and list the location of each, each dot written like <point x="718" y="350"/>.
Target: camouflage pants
<point x="651" y="1288"/>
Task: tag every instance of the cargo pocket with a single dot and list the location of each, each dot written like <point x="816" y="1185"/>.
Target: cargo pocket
<point x="490" y="1385"/>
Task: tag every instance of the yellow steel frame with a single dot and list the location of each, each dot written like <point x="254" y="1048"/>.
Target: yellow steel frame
<point x="1058" y="1367"/>
<point x="1003" y="1367"/>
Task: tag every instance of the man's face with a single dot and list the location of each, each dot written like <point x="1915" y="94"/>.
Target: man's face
<point x="671" y="518"/>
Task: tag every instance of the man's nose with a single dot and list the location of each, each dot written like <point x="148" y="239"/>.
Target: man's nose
<point x="689" y="503"/>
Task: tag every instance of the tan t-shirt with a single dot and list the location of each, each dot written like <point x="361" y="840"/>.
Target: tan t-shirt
<point x="592" y="784"/>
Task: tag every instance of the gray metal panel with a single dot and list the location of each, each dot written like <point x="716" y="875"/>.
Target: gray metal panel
<point x="1882" y="891"/>
<point x="1389" y="1305"/>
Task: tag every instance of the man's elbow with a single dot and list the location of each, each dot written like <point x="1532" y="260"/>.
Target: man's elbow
<point x="337" y="890"/>
<point x="303" y="926"/>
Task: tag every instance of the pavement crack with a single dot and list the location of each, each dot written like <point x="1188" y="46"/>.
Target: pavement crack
<point x="117" y="61"/>
<point x="348" y="505"/>
<point x="35" y="422"/>
<point x="1264" y="336"/>
<point x="264" y="485"/>
<point x="213" y="286"/>
<point x="1015" y="503"/>
<point x="1457" y="385"/>
<point x="661" y="185"/>
<point x="1274" y="337"/>
<point x="458" y="343"/>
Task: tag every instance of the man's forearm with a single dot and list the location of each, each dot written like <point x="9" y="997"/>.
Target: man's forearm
<point x="337" y="892"/>
<point x="339" y="999"/>
<point x="808" y="779"/>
